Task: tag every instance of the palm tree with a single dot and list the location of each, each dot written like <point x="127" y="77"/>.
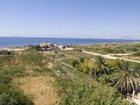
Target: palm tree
<point x="125" y="78"/>
<point x="100" y="68"/>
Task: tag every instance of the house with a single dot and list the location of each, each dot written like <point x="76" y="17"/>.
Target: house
<point x="48" y="46"/>
<point x="45" y="46"/>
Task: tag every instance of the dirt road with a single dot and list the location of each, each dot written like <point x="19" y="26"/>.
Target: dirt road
<point x="110" y="56"/>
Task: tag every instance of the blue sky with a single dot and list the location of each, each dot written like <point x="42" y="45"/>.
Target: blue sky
<point x="70" y="18"/>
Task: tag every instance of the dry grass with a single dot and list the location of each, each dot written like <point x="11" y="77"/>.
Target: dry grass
<point x="40" y="88"/>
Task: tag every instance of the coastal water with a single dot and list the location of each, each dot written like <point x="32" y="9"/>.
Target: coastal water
<point x="24" y="41"/>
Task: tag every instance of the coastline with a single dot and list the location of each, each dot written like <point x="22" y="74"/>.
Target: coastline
<point x="23" y="47"/>
<point x="10" y="42"/>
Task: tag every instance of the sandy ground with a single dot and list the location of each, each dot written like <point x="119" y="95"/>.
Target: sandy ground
<point x="41" y="88"/>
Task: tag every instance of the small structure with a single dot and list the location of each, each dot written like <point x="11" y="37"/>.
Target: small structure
<point x="48" y="46"/>
<point x="45" y="46"/>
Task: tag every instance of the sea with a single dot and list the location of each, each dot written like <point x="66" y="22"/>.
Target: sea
<point x="25" y="41"/>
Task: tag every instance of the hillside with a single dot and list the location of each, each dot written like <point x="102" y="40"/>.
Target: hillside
<point x="49" y="78"/>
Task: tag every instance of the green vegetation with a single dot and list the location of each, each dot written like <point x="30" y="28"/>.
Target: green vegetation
<point x="80" y="79"/>
<point x="75" y="63"/>
<point x="74" y="93"/>
<point x="32" y="57"/>
<point x="29" y="63"/>
<point x="100" y="68"/>
<point x="10" y="96"/>
<point x="137" y="54"/>
<point x="77" y="54"/>
<point x="126" y="79"/>
<point x="119" y="74"/>
<point x="35" y="47"/>
<point x="111" y="48"/>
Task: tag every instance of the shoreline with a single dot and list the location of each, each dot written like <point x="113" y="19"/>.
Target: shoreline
<point x="88" y="44"/>
<point x="10" y="42"/>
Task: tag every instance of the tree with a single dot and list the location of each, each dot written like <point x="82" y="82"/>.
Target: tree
<point x="125" y="78"/>
<point x="100" y="68"/>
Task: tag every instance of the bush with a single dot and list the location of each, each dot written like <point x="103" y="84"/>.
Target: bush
<point x="82" y="60"/>
<point x="84" y="67"/>
<point x="10" y="96"/>
<point x="75" y="63"/>
<point x="90" y="94"/>
<point x="36" y="47"/>
<point x="137" y="53"/>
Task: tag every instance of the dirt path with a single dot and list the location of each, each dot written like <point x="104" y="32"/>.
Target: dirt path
<point x="121" y="54"/>
<point x="110" y="56"/>
<point x="40" y="88"/>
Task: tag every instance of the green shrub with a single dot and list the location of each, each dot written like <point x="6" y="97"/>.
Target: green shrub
<point x="82" y="59"/>
<point x="74" y="93"/>
<point x="75" y="63"/>
<point x="84" y="67"/>
<point x="10" y="96"/>
<point x="137" y="53"/>
<point x="37" y="47"/>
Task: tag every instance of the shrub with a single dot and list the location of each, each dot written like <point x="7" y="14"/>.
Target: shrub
<point x="82" y="60"/>
<point x="36" y="47"/>
<point x="75" y="63"/>
<point x="90" y="94"/>
<point x="84" y="67"/>
<point x="137" y="53"/>
<point x="10" y="96"/>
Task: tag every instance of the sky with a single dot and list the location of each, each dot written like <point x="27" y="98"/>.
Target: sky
<point x="70" y="18"/>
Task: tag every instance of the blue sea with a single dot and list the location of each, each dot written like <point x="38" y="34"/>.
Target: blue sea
<point x="25" y="41"/>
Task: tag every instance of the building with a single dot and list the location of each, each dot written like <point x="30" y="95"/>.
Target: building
<point x="48" y="46"/>
<point x="45" y="46"/>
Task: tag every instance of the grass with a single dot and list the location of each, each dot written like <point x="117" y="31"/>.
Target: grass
<point x="27" y="73"/>
<point x="137" y="54"/>
<point x="12" y="96"/>
<point x="88" y="93"/>
<point x="111" y="48"/>
<point x="40" y="87"/>
<point x="77" y="54"/>
<point x="18" y="66"/>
